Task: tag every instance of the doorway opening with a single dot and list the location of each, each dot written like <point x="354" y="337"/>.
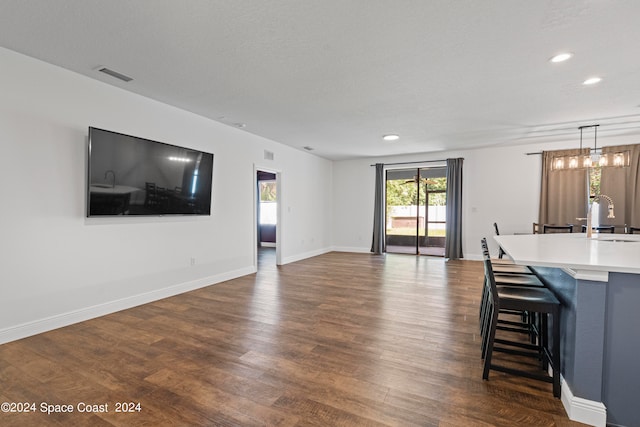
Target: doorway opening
<point x="416" y="206"/>
<point x="267" y="218"/>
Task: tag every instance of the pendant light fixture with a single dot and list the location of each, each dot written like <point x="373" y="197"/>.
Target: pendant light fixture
<point x="595" y="158"/>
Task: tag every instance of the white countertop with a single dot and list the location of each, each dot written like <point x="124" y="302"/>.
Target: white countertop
<point x="584" y="258"/>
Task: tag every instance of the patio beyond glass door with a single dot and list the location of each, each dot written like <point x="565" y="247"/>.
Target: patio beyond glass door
<point x="415" y="211"/>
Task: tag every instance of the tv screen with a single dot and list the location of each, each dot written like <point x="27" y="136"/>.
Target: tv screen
<point x="136" y="176"/>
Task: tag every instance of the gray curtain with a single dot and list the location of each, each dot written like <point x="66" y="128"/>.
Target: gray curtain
<point x="564" y="194"/>
<point x="621" y="184"/>
<point x="453" y="239"/>
<point x="378" y="244"/>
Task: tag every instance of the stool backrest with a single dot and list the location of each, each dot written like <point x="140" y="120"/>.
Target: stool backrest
<point x="485" y="248"/>
<point x="489" y="279"/>
<point x="501" y="251"/>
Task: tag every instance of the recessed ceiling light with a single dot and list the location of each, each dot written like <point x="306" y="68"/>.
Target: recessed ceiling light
<point x="391" y="137"/>
<point x="592" y="81"/>
<point x="561" y="57"/>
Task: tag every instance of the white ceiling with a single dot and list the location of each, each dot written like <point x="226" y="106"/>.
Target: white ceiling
<point x="336" y="75"/>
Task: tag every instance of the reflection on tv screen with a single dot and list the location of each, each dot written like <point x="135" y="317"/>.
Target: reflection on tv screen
<point x="135" y="176"/>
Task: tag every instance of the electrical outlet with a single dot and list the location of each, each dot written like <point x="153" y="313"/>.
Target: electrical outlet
<point x="193" y="262"/>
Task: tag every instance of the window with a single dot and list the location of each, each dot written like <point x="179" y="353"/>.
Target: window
<point x="268" y="203"/>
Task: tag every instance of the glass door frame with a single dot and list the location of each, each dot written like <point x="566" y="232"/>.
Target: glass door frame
<point x="421" y="234"/>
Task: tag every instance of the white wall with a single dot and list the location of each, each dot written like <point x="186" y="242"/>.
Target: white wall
<point x="500" y="184"/>
<point x="59" y="267"/>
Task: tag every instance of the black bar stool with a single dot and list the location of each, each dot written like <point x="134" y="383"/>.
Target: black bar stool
<point x="512" y="278"/>
<point x="525" y="299"/>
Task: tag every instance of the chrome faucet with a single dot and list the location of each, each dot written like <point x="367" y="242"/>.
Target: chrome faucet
<point x="113" y="185"/>
<point x="610" y="208"/>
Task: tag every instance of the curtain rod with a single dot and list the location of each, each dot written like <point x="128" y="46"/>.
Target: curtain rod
<point x="539" y="153"/>
<point x="409" y="163"/>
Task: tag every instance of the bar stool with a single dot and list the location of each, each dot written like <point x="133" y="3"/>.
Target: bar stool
<point x="552" y="228"/>
<point x="526" y="325"/>
<point x="527" y="299"/>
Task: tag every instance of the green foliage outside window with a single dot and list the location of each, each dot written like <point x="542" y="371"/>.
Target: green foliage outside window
<point x="405" y="192"/>
<point x="268" y="191"/>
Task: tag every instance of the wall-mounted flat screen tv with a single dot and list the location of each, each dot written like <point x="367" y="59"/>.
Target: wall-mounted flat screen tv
<point x="140" y="177"/>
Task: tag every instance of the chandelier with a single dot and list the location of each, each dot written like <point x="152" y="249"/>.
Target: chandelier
<point x="595" y="158"/>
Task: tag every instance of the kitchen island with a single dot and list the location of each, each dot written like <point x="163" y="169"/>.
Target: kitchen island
<point x="597" y="281"/>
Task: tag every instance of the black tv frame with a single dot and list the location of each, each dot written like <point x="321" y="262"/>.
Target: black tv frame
<point x="113" y="199"/>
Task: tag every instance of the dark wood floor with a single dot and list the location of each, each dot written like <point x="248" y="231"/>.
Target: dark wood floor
<point x="336" y="340"/>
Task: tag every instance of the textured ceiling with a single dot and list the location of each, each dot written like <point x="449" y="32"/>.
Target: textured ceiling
<point x="336" y="75"/>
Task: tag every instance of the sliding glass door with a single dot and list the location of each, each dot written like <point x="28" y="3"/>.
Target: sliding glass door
<point x="434" y="181"/>
<point x="415" y="210"/>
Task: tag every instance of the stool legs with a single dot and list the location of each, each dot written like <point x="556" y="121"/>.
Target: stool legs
<point x="549" y="350"/>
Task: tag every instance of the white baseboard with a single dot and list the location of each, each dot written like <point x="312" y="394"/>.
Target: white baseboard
<point x="354" y="249"/>
<point x="582" y="410"/>
<point x="24" y="330"/>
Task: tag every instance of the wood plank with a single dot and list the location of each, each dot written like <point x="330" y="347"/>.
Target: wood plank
<point x="340" y="339"/>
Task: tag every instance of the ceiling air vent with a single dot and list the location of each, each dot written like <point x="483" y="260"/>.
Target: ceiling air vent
<point x="115" y="74"/>
<point x="268" y="155"/>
